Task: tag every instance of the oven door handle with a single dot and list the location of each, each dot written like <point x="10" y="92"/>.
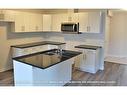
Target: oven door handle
<point x="73" y="27"/>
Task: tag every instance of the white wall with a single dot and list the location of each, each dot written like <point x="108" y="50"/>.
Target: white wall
<point x="7" y="39"/>
<point x="118" y="35"/>
<point x="107" y="36"/>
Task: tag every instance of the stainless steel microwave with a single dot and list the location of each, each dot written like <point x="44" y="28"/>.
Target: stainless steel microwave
<point x="70" y="27"/>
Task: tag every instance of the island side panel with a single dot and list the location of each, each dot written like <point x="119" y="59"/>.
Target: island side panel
<point x="60" y="72"/>
<point x="23" y="74"/>
<point x="101" y="58"/>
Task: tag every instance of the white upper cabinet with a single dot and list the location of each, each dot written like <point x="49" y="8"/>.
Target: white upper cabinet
<point x="35" y="22"/>
<point x="57" y="19"/>
<point x="27" y="22"/>
<point x="7" y="15"/>
<point x="94" y="22"/>
<point x="21" y="22"/>
<point x="73" y="17"/>
<point x="47" y="22"/>
<point x="89" y="22"/>
<point x="83" y="22"/>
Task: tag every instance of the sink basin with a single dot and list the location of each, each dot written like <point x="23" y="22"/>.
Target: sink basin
<point x="49" y="53"/>
<point x="63" y="54"/>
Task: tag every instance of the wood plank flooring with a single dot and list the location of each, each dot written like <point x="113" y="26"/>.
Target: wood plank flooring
<point x="6" y="78"/>
<point x="113" y="75"/>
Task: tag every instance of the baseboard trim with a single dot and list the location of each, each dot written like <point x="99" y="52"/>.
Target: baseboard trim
<point x="5" y="69"/>
<point x="116" y="59"/>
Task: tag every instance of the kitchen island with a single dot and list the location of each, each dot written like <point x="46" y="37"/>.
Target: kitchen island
<point x="47" y="68"/>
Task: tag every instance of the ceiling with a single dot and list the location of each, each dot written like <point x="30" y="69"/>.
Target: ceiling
<point x="54" y="11"/>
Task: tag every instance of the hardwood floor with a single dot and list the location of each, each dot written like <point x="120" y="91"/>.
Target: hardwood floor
<point x="113" y="75"/>
<point x="6" y="78"/>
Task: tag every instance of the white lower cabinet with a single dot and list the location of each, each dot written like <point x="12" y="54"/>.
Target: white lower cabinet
<point x="88" y="61"/>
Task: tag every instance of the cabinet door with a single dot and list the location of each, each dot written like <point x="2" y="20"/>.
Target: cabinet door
<point x="90" y="58"/>
<point x="73" y="17"/>
<point x="83" y="22"/>
<point x="1" y="15"/>
<point x="88" y="62"/>
<point x="47" y="21"/>
<point x="32" y="22"/>
<point x="57" y="19"/>
<point x="39" y="22"/>
<point x="7" y="15"/>
<point x="21" y="22"/>
<point x="94" y="19"/>
<point x="35" y="22"/>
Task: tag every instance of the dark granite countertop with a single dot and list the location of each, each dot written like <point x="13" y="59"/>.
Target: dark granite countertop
<point x="37" y="44"/>
<point x="88" y="47"/>
<point x="47" y="59"/>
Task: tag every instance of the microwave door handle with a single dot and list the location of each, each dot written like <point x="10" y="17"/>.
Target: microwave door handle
<point x="73" y="27"/>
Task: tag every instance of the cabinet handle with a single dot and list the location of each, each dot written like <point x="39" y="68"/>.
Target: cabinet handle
<point x="1" y="16"/>
<point x="22" y="28"/>
<point x="36" y="28"/>
<point x="84" y="56"/>
<point x="69" y="19"/>
<point x="88" y="28"/>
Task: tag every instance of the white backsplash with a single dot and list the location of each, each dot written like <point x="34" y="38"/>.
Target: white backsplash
<point x="73" y="40"/>
<point x="95" y="42"/>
